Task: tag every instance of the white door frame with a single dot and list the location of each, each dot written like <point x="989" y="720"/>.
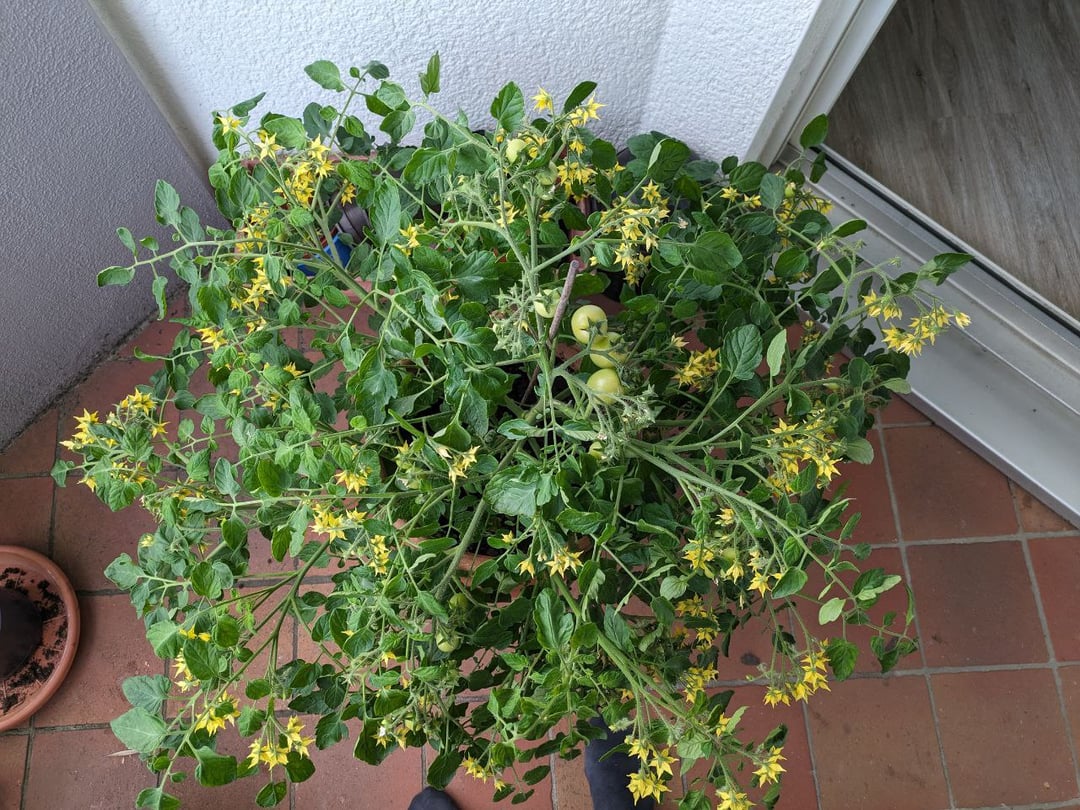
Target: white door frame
<point x="836" y="39"/>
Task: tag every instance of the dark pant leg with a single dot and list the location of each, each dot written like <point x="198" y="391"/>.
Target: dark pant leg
<point x="608" y="775"/>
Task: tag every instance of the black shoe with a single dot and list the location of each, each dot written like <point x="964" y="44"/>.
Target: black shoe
<point x="608" y="774"/>
<point x="431" y="799"/>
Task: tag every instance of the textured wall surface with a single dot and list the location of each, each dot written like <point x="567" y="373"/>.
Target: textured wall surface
<point x="86" y="142"/>
<point x="703" y="72"/>
<point x="83" y="146"/>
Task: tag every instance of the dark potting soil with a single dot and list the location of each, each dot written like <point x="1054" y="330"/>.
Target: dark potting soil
<point x="25" y="681"/>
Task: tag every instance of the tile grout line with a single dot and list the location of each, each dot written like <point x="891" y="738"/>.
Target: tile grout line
<point x="918" y="628"/>
<point x="1054" y="663"/>
<point x="26" y="765"/>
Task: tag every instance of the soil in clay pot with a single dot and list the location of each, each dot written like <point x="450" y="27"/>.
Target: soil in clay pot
<point x="27" y="680"/>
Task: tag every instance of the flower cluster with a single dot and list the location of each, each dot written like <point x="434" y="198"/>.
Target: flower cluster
<point x="650" y="780"/>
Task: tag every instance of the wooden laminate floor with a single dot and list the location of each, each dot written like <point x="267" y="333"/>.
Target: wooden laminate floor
<point x="970" y="110"/>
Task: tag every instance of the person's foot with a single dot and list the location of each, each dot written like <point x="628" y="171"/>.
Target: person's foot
<point x="608" y="774"/>
<point x="431" y="799"/>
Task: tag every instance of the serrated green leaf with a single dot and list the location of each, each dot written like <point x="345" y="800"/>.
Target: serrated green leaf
<point x="742" y="352"/>
<point x="582" y="522"/>
<point x="166" y="203"/>
<point x="139" y="730"/>
<point x="774" y="355"/>
<point x="859" y="450"/>
<point x="386" y="213"/>
<point x="147" y="691"/>
<point x="156" y="799"/>
<point x="790" y="583"/>
<point x="271" y="794"/>
<point x="289" y="132"/>
<point x="512" y="494"/>
<point x="158" y="287"/>
<point x="578" y="95"/>
<point x="830" y="611"/>
<point x="668" y="156"/>
<point x="508" y="108"/>
<point x="815" y="132"/>
<point x="115" y="275"/>
<point x="429" y="79"/>
<point x="772" y="191"/>
<point x="325" y="74"/>
<point x="214" y="769"/>
<point x="842" y="656"/>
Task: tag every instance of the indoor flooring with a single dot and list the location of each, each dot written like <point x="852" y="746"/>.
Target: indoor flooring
<point x="970" y="111"/>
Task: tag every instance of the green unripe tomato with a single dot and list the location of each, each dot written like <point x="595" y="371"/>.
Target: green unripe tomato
<point x="729" y="554"/>
<point x="585" y="317"/>
<point x="459" y="603"/>
<point x="447" y="641"/>
<point x="547" y="175"/>
<point x="546" y="303"/>
<point x="602" y="353"/>
<point x="513" y="149"/>
<point x="596" y="450"/>
<point x="605" y="384"/>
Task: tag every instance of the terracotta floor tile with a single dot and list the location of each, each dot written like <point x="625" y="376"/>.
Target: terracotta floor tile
<point x="69" y="767"/>
<point x="107" y="385"/>
<point x="112" y="647"/>
<point x="944" y="490"/>
<point x="87" y="535"/>
<point x="799" y="791"/>
<point x="751" y="645"/>
<point x="1056" y="561"/>
<point x="874" y="746"/>
<point x="12" y="767"/>
<point x="901" y="412"/>
<point x="571" y="788"/>
<point x="26" y="504"/>
<point x="893" y="601"/>
<point x="1003" y="737"/>
<point x="34" y="451"/>
<point x="975" y="604"/>
<point x="343" y="781"/>
<point x="239" y="794"/>
<point x="869" y="487"/>
<point x="1035" y="516"/>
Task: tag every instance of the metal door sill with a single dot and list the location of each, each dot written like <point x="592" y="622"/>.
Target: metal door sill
<point x="1009" y="385"/>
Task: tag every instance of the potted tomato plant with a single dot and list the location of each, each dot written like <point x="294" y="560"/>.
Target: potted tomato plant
<point x="634" y="407"/>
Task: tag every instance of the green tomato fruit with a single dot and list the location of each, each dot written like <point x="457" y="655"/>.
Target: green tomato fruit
<point x="605" y="384"/>
<point x="602" y="353"/>
<point x="447" y="642"/>
<point x="546" y="303"/>
<point x="596" y="450"/>
<point x="586" y="317"/>
<point x="513" y="149"/>
<point x="547" y="175"/>
<point x="459" y="603"/>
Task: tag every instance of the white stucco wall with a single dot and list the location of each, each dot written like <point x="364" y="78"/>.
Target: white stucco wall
<point x="86" y="142"/>
<point x="703" y="72"/>
<point x="83" y="146"/>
